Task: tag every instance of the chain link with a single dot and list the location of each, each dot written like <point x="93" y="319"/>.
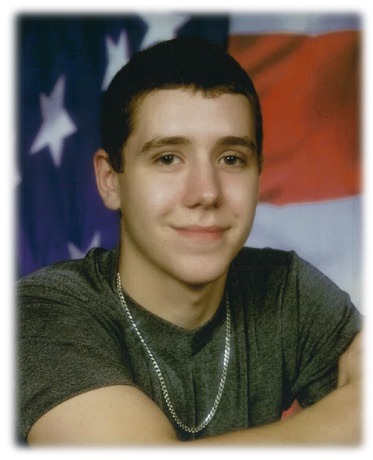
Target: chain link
<point x="158" y="371"/>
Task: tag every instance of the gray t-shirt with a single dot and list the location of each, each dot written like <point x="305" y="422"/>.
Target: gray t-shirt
<point x="290" y="324"/>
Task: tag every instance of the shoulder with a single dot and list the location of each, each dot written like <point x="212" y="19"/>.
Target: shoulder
<point x="278" y="266"/>
<point x="263" y="258"/>
<point x="262" y="266"/>
<point x="271" y="274"/>
<point x="260" y="278"/>
<point x="74" y="284"/>
<point x="94" y="270"/>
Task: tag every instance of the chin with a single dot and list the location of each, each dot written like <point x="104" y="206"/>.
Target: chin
<point x="200" y="273"/>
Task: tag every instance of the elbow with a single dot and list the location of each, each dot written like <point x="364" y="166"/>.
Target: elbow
<point x="353" y="413"/>
<point x="346" y="415"/>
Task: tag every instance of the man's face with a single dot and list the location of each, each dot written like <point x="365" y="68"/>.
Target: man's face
<point x="189" y="188"/>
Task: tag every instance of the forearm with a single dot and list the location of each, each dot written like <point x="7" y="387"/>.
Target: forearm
<point x="335" y="419"/>
<point x="123" y="415"/>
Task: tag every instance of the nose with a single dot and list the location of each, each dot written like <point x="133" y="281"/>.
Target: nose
<point x="203" y="186"/>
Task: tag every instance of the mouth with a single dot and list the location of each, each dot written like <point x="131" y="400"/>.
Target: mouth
<point x="200" y="233"/>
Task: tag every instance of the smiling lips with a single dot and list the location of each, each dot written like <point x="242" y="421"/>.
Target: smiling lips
<point x="204" y="234"/>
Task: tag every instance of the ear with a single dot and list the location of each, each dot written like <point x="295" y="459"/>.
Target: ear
<point x="106" y="180"/>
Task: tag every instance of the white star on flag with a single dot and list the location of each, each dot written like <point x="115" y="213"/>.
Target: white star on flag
<point x="76" y="253"/>
<point x="161" y="27"/>
<point x="56" y="123"/>
<point x="118" y="55"/>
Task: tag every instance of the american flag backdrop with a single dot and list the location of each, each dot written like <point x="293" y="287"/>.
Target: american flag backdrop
<point x="306" y="68"/>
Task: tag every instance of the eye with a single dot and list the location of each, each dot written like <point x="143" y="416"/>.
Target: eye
<point x="232" y="160"/>
<point x="168" y="159"/>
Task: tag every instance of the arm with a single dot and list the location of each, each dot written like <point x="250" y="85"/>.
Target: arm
<point x="111" y="415"/>
<point x="335" y="419"/>
<point x="124" y="415"/>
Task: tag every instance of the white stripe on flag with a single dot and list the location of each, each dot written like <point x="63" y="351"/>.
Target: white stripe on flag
<point x="301" y="23"/>
<point x="326" y="234"/>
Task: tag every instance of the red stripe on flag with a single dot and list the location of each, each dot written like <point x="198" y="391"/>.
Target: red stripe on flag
<point x="309" y="90"/>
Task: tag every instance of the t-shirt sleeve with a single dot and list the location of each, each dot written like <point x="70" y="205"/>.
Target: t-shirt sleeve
<point x="323" y="323"/>
<point x="66" y="346"/>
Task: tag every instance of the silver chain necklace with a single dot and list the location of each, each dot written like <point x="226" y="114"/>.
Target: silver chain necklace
<point x="165" y="393"/>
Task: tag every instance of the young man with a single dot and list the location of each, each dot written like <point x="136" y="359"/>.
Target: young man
<point x="180" y="334"/>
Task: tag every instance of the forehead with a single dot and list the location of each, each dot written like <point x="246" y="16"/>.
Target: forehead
<point x="183" y="110"/>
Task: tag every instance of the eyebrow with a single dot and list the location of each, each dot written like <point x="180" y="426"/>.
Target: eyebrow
<point x="227" y="141"/>
<point x="159" y="142"/>
<point x="231" y="141"/>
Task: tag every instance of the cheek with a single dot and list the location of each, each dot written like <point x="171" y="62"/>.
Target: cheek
<point x="149" y="198"/>
<point x="242" y="195"/>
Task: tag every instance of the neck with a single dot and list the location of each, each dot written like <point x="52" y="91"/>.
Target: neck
<point x="185" y="305"/>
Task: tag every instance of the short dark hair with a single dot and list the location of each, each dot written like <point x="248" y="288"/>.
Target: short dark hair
<point x="184" y="62"/>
